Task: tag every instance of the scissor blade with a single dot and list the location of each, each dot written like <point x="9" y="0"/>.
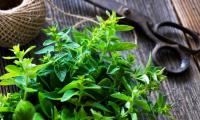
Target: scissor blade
<point x="122" y="10"/>
<point x="111" y="5"/>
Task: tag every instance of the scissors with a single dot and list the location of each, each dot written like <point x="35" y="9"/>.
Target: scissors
<point x="152" y="32"/>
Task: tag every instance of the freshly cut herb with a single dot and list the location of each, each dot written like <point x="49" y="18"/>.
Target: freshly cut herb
<point x="82" y="76"/>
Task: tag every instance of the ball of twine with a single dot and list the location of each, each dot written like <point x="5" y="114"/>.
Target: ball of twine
<point x="20" y="24"/>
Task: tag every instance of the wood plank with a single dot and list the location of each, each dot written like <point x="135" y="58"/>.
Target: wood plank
<point x="188" y="12"/>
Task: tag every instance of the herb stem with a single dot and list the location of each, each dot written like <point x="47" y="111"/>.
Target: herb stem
<point x="25" y="93"/>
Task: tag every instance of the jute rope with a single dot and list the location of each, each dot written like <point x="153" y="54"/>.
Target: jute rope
<point x="84" y="18"/>
<point x="22" y="23"/>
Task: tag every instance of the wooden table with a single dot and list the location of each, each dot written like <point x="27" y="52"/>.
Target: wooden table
<point x="183" y="90"/>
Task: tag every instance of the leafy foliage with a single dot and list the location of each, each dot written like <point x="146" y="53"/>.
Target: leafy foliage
<point x="83" y="75"/>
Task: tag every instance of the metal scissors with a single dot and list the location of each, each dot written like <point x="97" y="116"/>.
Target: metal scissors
<point x="151" y="31"/>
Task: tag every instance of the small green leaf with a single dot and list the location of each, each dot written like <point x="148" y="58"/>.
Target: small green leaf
<point x="121" y="46"/>
<point x="7" y="82"/>
<point x="123" y="113"/>
<point x="67" y="115"/>
<point x="92" y="87"/>
<point x="38" y="116"/>
<point x="73" y="84"/>
<point x="12" y="69"/>
<point x="126" y="85"/>
<point x="128" y="105"/>
<point x="9" y="58"/>
<point x="124" y="28"/>
<point x="9" y="75"/>
<point x="121" y="96"/>
<point x="108" y="13"/>
<point x="45" y="50"/>
<point x="52" y="95"/>
<point x="161" y="101"/>
<point x="114" y="106"/>
<point x="72" y="45"/>
<point x="149" y="63"/>
<point x="48" y="42"/>
<point x="5" y="109"/>
<point x="144" y="78"/>
<point x="99" y="116"/>
<point x="112" y="69"/>
<point x="133" y="116"/>
<point x="30" y="90"/>
<point x="24" y="111"/>
<point x="29" y="49"/>
<point x="20" y="81"/>
<point x="68" y="94"/>
<point x="61" y="72"/>
<point x="97" y="105"/>
<point x="45" y="104"/>
<point x="56" y="114"/>
<point x="100" y="19"/>
<point x="39" y="67"/>
<point x="105" y="83"/>
<point x="143" y="104"/>
<point x="82" y="113"/>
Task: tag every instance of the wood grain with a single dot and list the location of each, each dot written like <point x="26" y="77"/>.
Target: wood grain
<point x="183" y="90"/>
<point x="188" y="13"/>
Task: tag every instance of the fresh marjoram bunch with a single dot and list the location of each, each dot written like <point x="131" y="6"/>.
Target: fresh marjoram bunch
<point x="82" y="76"/>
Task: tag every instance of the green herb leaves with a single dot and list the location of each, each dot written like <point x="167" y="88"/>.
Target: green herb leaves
<point x="82" y="75"/>
<point x="121" y="46"/>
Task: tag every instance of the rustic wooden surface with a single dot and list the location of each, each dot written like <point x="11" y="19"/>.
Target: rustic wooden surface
<point x="183" y="90"/>
<point x="188" y="12"/>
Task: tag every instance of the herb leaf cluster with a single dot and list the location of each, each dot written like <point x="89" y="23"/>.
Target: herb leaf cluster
<point x="82" y="76"/>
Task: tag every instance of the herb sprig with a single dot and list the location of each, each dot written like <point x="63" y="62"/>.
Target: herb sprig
<point x="82" y="76"/>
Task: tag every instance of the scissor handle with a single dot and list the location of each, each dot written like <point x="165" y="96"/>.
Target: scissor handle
<point x="191" y="33"/>
<point x="184" y="63"/>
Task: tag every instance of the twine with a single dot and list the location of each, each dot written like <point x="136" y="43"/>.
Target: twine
<point x="22" y="23"/>
<point x="84" y="19"/>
